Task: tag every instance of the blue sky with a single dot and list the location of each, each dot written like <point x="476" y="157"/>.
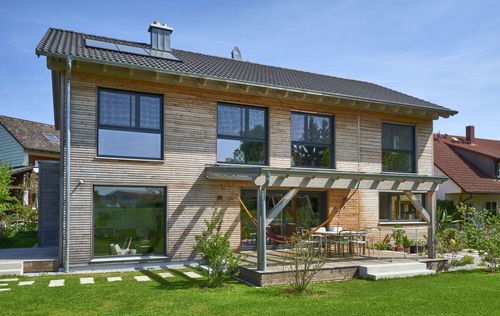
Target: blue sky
<point x="447" y="52"/>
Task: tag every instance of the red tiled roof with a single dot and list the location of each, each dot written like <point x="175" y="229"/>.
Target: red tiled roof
<point x="460" y="170"/>
<point x="487" y="147"/>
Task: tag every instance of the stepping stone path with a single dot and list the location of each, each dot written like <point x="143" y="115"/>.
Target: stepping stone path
<point x="192" y="275"/>
<point x="8" y="280"/>
<point x="24" y="283"/>
<point x="86" y="280"/>
<point x="56" y="283"/>
<point x="114" y="279"/>
<point x="142" y="278"/>
<point x="165" y="275"/>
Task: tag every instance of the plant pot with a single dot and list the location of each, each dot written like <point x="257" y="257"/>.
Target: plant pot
<point x="397" y="248"/>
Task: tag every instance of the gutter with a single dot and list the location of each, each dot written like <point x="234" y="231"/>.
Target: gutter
<point x="443" y="111"/>
<point x="67" y="137"/>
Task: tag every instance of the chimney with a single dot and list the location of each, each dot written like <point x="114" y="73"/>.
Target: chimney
<point x="469" y="134"/>
<point x="160" y="36"/>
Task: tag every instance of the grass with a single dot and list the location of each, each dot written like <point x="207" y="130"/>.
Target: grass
<point x="22" y="239"/>
<point x="458" y="293"/>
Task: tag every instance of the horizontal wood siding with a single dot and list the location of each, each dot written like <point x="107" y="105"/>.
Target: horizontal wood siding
<point x="11" y="152"/>
<point x="190" y="144"/>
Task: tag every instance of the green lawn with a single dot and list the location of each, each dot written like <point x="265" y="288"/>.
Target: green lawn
<point x="22" y="239"/>
<point x="459" y="293"/>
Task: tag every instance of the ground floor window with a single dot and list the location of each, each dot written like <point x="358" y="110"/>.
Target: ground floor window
<point x="306" y="210"/>
<point x="129" y="220"/>
<point x="397" y="207"/>
<point x="492" y="207"/>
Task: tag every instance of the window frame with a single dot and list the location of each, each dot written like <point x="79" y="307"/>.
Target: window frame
<point x="331" y="118"/>
<point x="493" y="210"/>
<point x="131" y="257"/>
<point x="389" y="219"/>
<point x="413" y="151"/>
<point x="244" y="138"/>
<point x="131" y="129"/>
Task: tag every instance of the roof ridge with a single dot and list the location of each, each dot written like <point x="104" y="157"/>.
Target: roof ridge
<point x="25" y="120"/>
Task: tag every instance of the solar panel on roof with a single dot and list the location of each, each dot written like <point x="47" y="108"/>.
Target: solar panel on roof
<point x="100" y="44"/>
<point x="132" y="49"/>
<point x="129" y="49"/>
<point x="161" y="54"/>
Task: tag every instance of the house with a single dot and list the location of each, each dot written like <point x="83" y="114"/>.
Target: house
<point x="157" y="137"/>
<point x="473" y="167"/>
<point x="22" y="144"/>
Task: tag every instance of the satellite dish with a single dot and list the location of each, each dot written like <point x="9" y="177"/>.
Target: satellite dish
<point x="236" y="53"/>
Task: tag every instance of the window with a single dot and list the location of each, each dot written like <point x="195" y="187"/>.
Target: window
<point x="312" y="140"/>
<point x="241" y="134"/>
<point x="130" y="125"/>
<point x="398" y="148"/>
<point x="51" y="137"/>
<point x="129" y="220"/>
<point x="492" y="207"/>
<point x="498" y="169"/>
<point x="397" y="207"/>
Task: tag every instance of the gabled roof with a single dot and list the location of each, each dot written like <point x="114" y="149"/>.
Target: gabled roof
<point x="460" y="170"/>
<point x="487" y="147"/>
<point x="61" y="43"/>
<point x="31" y="135"/>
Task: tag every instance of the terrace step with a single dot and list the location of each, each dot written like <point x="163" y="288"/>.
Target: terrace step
<point x="11" y="267"/>
<point x="393" y="270"/>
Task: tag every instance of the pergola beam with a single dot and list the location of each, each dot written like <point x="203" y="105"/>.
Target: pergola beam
<point x="281" y="205"/>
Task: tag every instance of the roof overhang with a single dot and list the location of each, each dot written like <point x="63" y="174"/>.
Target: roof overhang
<point x="56" y="62"/>
<point x="323" y="178"/>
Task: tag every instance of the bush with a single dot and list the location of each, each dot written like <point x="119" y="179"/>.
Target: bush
<point x="465" y="260"/>
<point x="216" y="251"/>
<point x="304" y="262"/>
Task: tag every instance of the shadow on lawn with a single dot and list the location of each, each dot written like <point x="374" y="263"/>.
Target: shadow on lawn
<point x="175" y="284"/>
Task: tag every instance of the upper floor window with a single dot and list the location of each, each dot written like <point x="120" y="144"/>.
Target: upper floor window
<point x="398" y="148"/>
<point x="498" y="169"/>
<point x="130" y="125"/>
<point x="492" y="207"/>
<point x="397" y="207"/>
<point x="312" y="140"/>
<point x="241" y="134"/>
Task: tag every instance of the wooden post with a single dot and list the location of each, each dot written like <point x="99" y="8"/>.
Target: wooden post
<point x="261" y="229"/>
<point x="431" y="239"/>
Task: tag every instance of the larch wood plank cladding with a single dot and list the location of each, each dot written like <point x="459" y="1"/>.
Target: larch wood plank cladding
<point x="190" y="144"/>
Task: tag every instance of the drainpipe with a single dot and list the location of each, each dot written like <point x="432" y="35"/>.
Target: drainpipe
<point x="69" y="61"/>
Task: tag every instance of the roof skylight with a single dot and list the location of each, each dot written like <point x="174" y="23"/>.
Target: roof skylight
<point x="51" y="137"/>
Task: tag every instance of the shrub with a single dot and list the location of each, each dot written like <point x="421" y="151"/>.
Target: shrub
<point x="465" y="260"/>
<point x="304" y="262"/>
<point x="216" y="251"/>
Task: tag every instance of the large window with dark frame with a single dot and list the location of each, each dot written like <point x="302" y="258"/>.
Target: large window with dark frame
<point x="130" y="125"/>
<point x="312" y="140"/>
<point x="241" y="134"/>
<point x="398" y="148"/>
<point x="129" y="220"/>
<point x="395" y="206"/>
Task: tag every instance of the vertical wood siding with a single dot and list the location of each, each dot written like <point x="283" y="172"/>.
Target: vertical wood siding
<point x="190" y="144"/>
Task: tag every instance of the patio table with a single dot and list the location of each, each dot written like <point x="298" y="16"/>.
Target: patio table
<point x="349" y="234"/>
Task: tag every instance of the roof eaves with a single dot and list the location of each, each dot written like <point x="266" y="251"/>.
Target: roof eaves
<point x="444" y="112"/>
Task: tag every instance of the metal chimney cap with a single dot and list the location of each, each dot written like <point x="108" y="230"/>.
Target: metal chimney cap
<point x="159" y="25"/>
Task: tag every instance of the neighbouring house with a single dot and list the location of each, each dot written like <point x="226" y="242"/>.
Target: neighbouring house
<point x="155" y="138"/>
<point x="473" y="167"/>
<point x="22" y="144"/>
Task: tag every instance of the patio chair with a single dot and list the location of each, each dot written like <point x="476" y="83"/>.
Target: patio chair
<point x="117" y="251"/>
<point x="341" y="240"/>
<point x="314" y="239"/>
<point x="359" y="240"/>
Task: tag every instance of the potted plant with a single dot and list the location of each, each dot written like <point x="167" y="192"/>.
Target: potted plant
<point x="417" y="246"/>
<point x="406" y="243"/>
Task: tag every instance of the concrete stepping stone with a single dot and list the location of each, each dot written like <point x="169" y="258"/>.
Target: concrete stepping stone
<point x="192" y="275"/>
<point x="9" y="280"/>
<point x="4" y="284"/>
<point x="86" y="280"/>
<point x="166" y="275"/>
<point x="4" y="290"/>
<point x="56" y="283"/>
<point x="24" y="283"/>
<point x="114" y="279"/>
<point x="142" y="278"/>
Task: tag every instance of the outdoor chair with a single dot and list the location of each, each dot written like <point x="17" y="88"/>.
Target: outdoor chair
<point x="314" y="239"/>
<point x="359" y="240"/>
<point x="341" y="240"/>
<point x="117" y="250"/>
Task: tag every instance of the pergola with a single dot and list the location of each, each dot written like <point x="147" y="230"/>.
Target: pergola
<point x="296" y="179"/>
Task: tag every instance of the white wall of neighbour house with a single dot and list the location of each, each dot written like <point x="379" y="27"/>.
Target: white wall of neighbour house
<point x="11" y="151"/>
<point x="478" y="201"/>
<point x="448" y="187"/>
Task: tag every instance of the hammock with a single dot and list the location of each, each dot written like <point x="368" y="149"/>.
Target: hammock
<point x="283" y="239"/>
